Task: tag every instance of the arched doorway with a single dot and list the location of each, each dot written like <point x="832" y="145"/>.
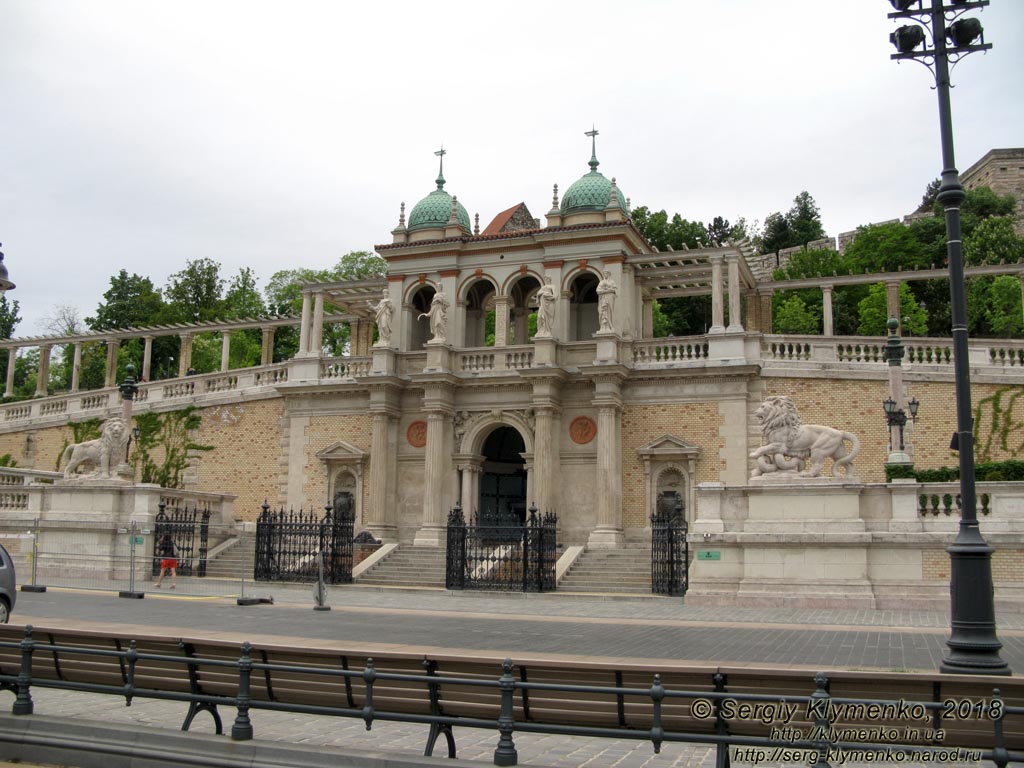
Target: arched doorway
<point x="419" y="328"/>
<point x="503" y="481"/>
<point x="583" y="322"/>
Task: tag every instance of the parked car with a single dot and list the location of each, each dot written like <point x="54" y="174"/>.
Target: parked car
<point x="8" y="592"/>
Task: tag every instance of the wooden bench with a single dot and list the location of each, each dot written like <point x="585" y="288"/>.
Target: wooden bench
<point x="595" y="697"/>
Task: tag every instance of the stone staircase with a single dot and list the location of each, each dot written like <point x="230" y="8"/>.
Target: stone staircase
<point x="408" y="566"/>
<point x="624" y="571"/>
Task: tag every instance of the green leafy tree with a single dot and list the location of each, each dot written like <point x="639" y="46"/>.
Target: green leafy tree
<point x="9" y="320"/>
<point x="131" y="301"/>
<point x="196" y="293"/>
<point x="243" y="299"/>
<point x="792" y="316"/>
<point x="886" y="248"/>
<point x="874" y="313"/>
<point x="928" y="198"/>
<point x="719" y="230"/>
<point x="1003" y="307"/>
<point x="994" y="241"/>
<point x="800" y="225"/>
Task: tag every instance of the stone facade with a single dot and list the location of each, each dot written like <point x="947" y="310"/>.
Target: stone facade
<point x="1003" y="171"/>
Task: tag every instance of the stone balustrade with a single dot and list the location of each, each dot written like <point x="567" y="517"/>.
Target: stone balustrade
<point x="991" y="359"/>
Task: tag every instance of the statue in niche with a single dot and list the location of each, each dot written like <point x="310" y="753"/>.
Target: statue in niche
<point x="789" y="444"/>
<point x="606" y="291"/>
<point x="438" y="317"/>
<point x="100" y="454"/>
<point x="383" y="312"/>
<point x="546" y="308"/>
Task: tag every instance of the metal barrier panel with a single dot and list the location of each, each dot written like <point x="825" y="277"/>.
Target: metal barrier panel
<point x="502" y="557"/>
<point x="288" y="545"/>
<point x="81" y="554"/>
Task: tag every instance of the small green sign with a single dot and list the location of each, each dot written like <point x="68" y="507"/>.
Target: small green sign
<point x="709" y="554"/>
<point x="139" y="540"/>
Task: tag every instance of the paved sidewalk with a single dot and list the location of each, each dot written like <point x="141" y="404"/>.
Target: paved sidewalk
<point x="558" y="625"/>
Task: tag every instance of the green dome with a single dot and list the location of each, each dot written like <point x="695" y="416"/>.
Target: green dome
<point x="434" y="210"/>
<point x="591" y="193"/>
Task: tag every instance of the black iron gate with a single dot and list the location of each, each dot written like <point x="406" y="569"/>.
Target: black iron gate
<point x="287" y="544"/>
<point x="503" y="557"/>
<point x="670" y="551"/>
<point x="181" y="525"/>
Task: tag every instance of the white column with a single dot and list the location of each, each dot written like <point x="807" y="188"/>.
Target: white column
<point x="521" y="318"/>
<point x="76" y="368"/>
<point x="110" y="376"/>
<point x="43" y="375"/>
<point x="12" y="356"/>
<point x="648" y="321"/>
<point x="608" y="531"/>
<point x="307" y="307"/>
<point x="826" y="310"/>
<point x="437" y="462"/>
<point x="501" y="321"/>
<point x="892" y="304"/>
<point x="185" y="354"/>
<point x="267" y="348"/>
<point x="225" y="351"/>
<point x="381" y="516"/>
<point x="147" y="357"/>
<point x="546" y="460"/>
<point x="735" y="321"/>
<point x="766" y="311"/>
<point x="316" y="336"/>
<point x="717" y="298"/>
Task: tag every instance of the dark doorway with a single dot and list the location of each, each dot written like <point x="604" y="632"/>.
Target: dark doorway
<point x="503" y="484"/>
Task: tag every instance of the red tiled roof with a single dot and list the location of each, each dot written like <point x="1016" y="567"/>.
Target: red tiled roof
<point x="501" y="220"/>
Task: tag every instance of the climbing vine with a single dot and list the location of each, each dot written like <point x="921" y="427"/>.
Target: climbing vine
<point x="170" y="432"/>
<point x="995" y="425"/>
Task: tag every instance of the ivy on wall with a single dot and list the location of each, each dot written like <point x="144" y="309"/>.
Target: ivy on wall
<point x="170" y="432"/>
<point x="995" y="425"/>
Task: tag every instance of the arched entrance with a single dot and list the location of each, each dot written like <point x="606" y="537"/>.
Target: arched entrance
<point x="503" y="480"/>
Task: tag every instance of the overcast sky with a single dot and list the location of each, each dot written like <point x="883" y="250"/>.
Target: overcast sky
<point x="139" y="135"/>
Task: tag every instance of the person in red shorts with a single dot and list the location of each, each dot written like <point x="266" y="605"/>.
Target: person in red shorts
<point x="168" y="555"/>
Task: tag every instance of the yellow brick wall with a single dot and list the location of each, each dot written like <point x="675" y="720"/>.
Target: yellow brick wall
<point x="1007" y="565"/>
<point x="856" y="406"/>
<point x="324" y="431"/>
<point x="36" y="449"/>
<point x="246" y="455"/>
<point x="697" y="423"/>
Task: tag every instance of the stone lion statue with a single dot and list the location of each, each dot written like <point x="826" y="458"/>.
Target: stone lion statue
<point x="98" y="453"/>
<point x="788" y="444"/>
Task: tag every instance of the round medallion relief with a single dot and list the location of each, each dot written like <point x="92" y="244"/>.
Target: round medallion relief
<point x="582" y="430"/>
<point x="416" y="434"/>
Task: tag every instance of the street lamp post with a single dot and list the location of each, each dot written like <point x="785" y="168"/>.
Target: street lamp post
<point x="973" y="645"/>
<point x="128" y="388"/>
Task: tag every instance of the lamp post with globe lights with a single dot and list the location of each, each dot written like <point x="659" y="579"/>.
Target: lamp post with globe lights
<point x="938" y="34"/>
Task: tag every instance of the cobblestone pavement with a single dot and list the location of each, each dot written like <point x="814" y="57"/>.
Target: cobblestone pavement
<point x="548" y="624"/>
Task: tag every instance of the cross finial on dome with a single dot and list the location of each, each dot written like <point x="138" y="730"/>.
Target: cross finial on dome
<point x="440" y="172"/>
<point x="593" y="133"/>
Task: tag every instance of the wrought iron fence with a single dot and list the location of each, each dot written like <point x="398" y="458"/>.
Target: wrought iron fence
<point x="507" y="558"/>
<point x="670" y="552"/>
<point x="287" y="545"/>
<point x="181" y="526"/>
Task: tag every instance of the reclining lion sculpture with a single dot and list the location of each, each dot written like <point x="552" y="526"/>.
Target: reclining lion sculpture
<point x="789" y="444"/>
<point x="99" y="453"/>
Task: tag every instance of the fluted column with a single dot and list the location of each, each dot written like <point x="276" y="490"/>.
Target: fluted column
<point x="717" y="298"/>
<point x="76" y="368"/>
<point x="316" y="335"/>
<point x="185" y="354"/>
<point x="732" y="260"/>
<point x="147" y="357"/>
<point x="608" y="532"/>
<point x="12" y="357"/>
<point x="437" y="463"/>
<point x="110" y="376"/>
<point x="521" y="323"/>
<point x="826" y="311"/>
<point x="43" y="374"/>
<point x="648" y="318"/>
<point x="501" y="321"/>
<point x="225" y="351"/>
<point x="546" y="464"/>
<point x="267" y="346"/>
<point x="381" y="516"/>
<point x="892" y="304"/>
<point x="307" y="311"/>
